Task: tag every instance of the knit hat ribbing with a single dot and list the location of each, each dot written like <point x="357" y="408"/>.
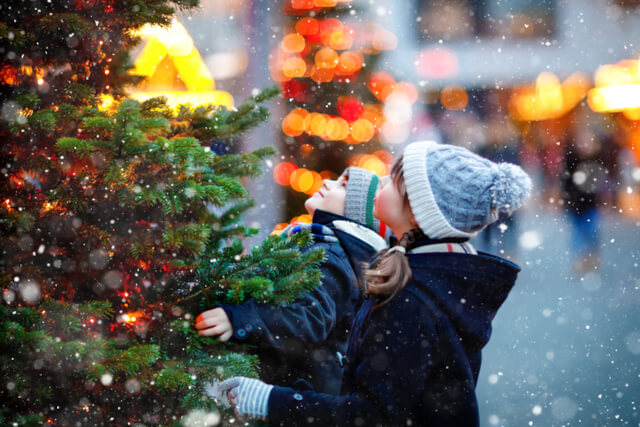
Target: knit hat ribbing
<point x="456" y="193"/>
<point x="361" y="190"/>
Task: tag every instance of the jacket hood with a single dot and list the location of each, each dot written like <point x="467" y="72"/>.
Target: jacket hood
<point x="468" y="288"/>
<point x="359" y="242"/>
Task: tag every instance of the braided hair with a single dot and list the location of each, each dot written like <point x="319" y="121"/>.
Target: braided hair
<point x="389" y="272"/>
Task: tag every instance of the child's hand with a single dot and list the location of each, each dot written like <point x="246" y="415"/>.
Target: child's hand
<point x="214" y="323"/>
<point x="249" y="397"/>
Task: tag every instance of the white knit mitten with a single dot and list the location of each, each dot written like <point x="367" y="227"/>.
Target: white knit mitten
<point x="250" y="396"/>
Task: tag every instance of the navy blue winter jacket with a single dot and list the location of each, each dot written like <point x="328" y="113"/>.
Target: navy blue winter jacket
<point x="415" y="360"/>
<point x="300" y="340"/>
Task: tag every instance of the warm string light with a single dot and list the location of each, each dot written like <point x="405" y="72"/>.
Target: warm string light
<point x="326" y="50"/>
<point x="549" y="98"/>
<point x="357" y="124"/>
<point x="308" y="181"/>
<point x="379" y="162"/>
<point x="301" y="180"/>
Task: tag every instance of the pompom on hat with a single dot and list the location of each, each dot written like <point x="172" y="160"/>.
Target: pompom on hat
<point x="455" y="193"/>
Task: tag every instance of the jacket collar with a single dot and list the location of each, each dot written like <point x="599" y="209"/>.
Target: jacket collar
<point x="345" y="226"/>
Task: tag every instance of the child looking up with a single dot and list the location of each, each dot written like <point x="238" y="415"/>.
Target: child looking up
<point x="304" y="340"/>
<point x="415" y="346"/>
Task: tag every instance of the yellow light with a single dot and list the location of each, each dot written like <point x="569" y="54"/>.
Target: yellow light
<point x="325" y="3"/>
<point x="632" y="114"/>
<point x="170" y="57"/>
<point x="152" y="54"/>
<point x="304" y="218"/>
<point x="337" y="129"/>
<point x="614" y="98"/>
<point x="106" y="102"/>
<point x="193" y="72"/>
<point x="375" y="165"/>
<point x="175" y="98"/>
<point x="294" y="67"/>
<point x="295" y="178"/>
<point x="293" y="43"/>
<point x="317" y="183"/>
<point x="175" y="38"/>
<point x="305" y="182"/>
<point x="362" y="130"/>
<point x="617" y="88"/>
<point x="623" y="73"/>
<point x="326" y="58"/>
<point x="316" y="124"/>
<point x="549" y="99"/>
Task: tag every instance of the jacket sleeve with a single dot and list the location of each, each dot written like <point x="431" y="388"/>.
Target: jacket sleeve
<point x="393" y="366"/>
<point x="307" y="320"/>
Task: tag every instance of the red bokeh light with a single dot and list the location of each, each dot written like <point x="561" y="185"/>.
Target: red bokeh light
<point x="349" y="108"/>
<point x="282" y="172"/>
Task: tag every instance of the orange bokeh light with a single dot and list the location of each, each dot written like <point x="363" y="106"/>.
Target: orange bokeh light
<point x="317" y="183"/>
<point x="293" y="43"/>
<point x="407" y="90"/>
<point x="327" y="27"/>
<point x="381" y="84"/>
<point x="295" y="177"/>
<point x="349" y="63"/>
<point x="385" y="156"/>
<point x="294" y="67"/>
<point x="307" y="26"/>
<point x="325" y="3"/>
<point x="340" y="40"/>
<point x="362" y="130"/>
<point x="306" y="181"/>
<point x="454" y="98"/>
<point x="375" y="165"/>
<point x="322" y="75"/>
<point x="326" y="58"/>
<point x="302" y="4"/>
<point x="294" y="124"/>
<point x="316" y="124"/>
<point x="337" y="129"/>
<point x="374" y="113"/>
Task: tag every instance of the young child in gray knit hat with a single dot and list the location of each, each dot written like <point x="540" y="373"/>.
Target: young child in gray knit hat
<point x="305" y="339"/>
<point x="456" y="193"/>
<point x="415" y="344"/>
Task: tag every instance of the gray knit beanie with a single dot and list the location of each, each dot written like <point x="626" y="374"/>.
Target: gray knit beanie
<point x="361" y="190"/>
<point x="456" y="193"/>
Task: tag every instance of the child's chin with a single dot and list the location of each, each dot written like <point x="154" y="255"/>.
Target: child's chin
<point x="310" y="206"/>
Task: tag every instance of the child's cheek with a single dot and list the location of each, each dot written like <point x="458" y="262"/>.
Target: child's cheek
<point x="383" y="207"/>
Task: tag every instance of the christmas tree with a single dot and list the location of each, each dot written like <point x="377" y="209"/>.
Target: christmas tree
<point x="119" y="225"/>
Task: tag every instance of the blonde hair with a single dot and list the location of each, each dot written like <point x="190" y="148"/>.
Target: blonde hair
<point x="389" y="271"/>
